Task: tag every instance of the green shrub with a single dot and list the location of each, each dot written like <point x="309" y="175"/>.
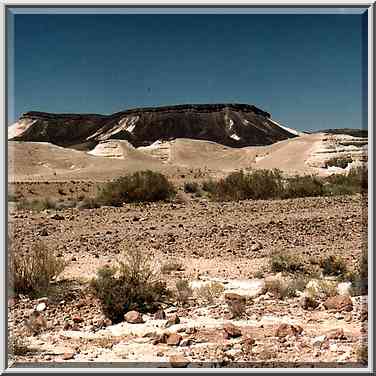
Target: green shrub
<point x="341" y="162"/>
<point x="171" y="266"/>
<point x="356" y="180"/>
<point x="209" y="186"/>
<point x="36" y="205"/>
<point x="333" y="265"/>
<point x="32" y="271"/>
<point x="183" y="291"/>
<point x="191" y="187"/>
<point x="256" y="185"/>
<point x="303" y="186"/>
<point x="142" y="186"/>
<point x="210" y="291"/>
<point x="284" y="262"/>
<point x="132" y="284"/>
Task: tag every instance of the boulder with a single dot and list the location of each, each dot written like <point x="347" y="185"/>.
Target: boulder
<point x="173" y="320"/>
<point x="178" y="360"/>
<point x="339" y="303"/>
<point x="231" y="331"/>
<point x="174" y="339"/>
<point x="285" y="330"/>
<point x="160" y="315"/>
<point x="344" y="288"/>
<point x="133" y="317"/>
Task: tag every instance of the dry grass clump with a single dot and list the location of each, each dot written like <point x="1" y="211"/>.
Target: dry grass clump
<point x="132" y="284"/>
<point x="283" y="288"/>
<point x="171" y="266"/>
<point x="183" y="291"/>
<point x="36" y="205"/>
<point x="32" y="271"/>
<point x="210" y="291"/>
<point x="142" y="186"/>
<point x="285" y="262"/>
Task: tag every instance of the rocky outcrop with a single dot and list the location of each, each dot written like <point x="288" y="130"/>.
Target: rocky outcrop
<point x="235" y="125"/>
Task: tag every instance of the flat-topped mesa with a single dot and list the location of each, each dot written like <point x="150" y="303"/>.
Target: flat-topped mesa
<point x="235" y="125"/>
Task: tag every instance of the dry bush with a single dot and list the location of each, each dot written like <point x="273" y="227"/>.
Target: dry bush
<point x="303" y="186"/>
<point x="341" y="161"/>
<point x="210" y="291"/>
<point x="142" y="186"/>
<point x="32" y="271"/>
<point x="183" y="291"/>
<point x="132" y="284"/>
<point x="333" y="265"/>
<point x="17" y="346"/>
<point x="284" y="262"/>
<point x="191" y="187"/>
<point x="36" y="205"/>
<point x="171" y="266"/>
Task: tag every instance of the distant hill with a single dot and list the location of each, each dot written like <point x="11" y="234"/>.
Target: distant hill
<point x="234" y="125"/>
<point x="349" y="131"/>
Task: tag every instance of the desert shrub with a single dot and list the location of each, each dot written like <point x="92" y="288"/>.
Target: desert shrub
<point x="282" y="289"/>
<point x="210" y="291"/>
<point x="208" y="186"/>
<point x="183" y="291"/>
<point x="18" y="346"/>
<point x="284" y="262"/>
<point x="191" y="187"/>
<point x="333" y="265"/>
<point x="341" y="162"/>
<point x="303" y="186"/>
<point x="36" y="205"/>
<point x="142" y="186"/>
<point x="256" y="185"/>
<point x="237" y="308"/>
<point x="32" y="271"/>
<point x="171" y="266"/>
<point x="87" y="203"/>
<point x="356" y="180"/>
<point x="359" y="277"/>
<point x="131" y="284"/>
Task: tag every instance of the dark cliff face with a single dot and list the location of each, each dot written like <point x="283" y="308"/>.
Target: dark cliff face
<point x="235" y="125"/>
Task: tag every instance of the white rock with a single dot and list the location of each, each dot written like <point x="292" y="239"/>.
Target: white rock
<point x="344" y="288"/>
<point x="41" y="307"/>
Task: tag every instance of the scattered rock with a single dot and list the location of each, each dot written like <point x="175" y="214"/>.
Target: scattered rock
<point x="77" y="319"/>
<point x="336" y="334"/>
<point x="186" y="342"/>
<point x="348" y="317"/>
<point x="133" y="317"/>
<point x="178" y="360"/>
<point x="231" y="331"/>
<point x="339" y="303"/>
<point x="285" y="330"/>
<point x="57" y="217"/>
<point x="174" y="339"/>
<point x="317" y="342"/>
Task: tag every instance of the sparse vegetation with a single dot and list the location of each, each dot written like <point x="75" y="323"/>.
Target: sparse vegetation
<point x="183" y="291"/>
<point x="36" y="205"/>
<point x="341" y="162"/>
<point x="191" y="187"/>
<point x="171" y="266"/>
<point x="285" y="288"/>
<point x="32" y="271"/>
<point x="210" y="291"/>
<point x="285" y="262"/>
<point x="131" y="284"/>
<point x="333" y="265"/>
<point x="142" y="186"/>
<point x="303" y="186"/>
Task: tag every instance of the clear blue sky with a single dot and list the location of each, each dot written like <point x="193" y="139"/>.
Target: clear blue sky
<point x="306" y="70"/>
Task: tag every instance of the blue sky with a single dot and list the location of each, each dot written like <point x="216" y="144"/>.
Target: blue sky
<point x="305" y="69"/>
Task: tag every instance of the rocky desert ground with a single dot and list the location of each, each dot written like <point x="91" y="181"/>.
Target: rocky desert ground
<point x="233" y="308"/>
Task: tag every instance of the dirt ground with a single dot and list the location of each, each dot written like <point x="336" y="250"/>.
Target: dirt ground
<point x="224" y="241"/>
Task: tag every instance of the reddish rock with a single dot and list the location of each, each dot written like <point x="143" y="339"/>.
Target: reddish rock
<point x="285" y="330"/>
<point x="339" y="303"/>
<point x="178" y="361"/>
<point x="133" y="317"/>
<point x="248" y="343"/>
<point x="174" y="339"/>
<point x="77" y="319"/>
<point x="231" y="331"/>
<point x="68" y="356"/>
<point x="336" y="334"/>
